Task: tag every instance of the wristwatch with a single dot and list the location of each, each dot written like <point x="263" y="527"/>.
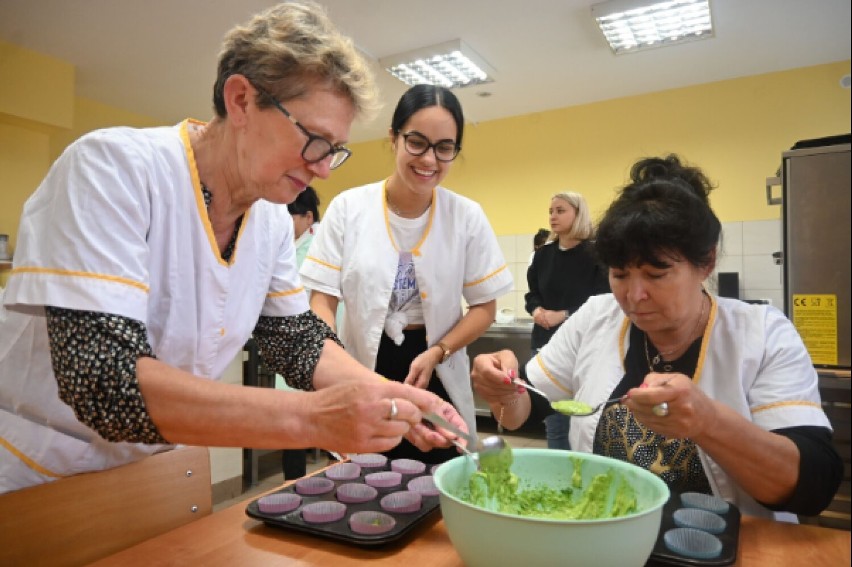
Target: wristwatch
<point x="447" y="350"/>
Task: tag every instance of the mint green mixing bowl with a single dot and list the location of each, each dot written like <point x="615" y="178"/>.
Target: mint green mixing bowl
<point x="483" y="537"/>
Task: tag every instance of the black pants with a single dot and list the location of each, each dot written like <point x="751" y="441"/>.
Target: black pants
<point x="294" y="463"/>
<point x="393" y="362"/>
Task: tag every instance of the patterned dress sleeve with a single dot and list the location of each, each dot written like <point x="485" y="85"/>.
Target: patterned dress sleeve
<point x="291" y="346"/>
<point x="94" y="360"/>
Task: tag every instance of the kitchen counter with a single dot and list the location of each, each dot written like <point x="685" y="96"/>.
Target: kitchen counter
<point x="229" y="537"/>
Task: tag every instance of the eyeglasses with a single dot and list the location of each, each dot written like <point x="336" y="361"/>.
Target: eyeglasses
<point x="417" y="144"/>
<point x="316" y="148"/>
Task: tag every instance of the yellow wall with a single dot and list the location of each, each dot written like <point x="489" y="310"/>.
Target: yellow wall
<point x="736" y="130"/>
<point x="39" y="116"/>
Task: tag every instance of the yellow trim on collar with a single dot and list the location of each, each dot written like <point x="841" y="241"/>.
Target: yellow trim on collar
<point x="705" y="340"/>
<point x="199" y="197"/>
<point x="416" y="250"/>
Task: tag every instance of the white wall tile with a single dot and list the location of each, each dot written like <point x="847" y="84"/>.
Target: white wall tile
<point x="519" y="271"/>
<point x="507" y="245"/>
<point x="775" y="296"/>
<point x="730" y="264"/>
<point x="732" y="239"/>
<point x="761" y="237"/>
<point x="760" y="272"/>
<point x="523" y="247"/>
<point x="519" y="305"/>
<point x="506" y="301"/>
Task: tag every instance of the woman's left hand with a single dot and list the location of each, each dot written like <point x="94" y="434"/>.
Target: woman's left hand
<point x="671" y="405"/>
<point x="420" y="371"/>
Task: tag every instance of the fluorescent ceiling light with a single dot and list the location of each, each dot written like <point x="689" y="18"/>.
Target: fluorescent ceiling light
<point x="450" y="64"/>
<point x="631" y="25"/>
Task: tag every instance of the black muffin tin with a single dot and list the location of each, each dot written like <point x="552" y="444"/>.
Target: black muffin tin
<point x="340" y="530"/>
<point x="662" y="555"/>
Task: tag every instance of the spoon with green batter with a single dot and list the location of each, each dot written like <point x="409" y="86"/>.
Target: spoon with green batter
<point x="491" y="453"/>
<point x="573" y="408"/>
<point x="576" y="408"/>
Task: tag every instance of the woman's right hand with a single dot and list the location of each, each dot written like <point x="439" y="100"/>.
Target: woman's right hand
<point x="492" y="376"/>
<point x="358" y="417"/>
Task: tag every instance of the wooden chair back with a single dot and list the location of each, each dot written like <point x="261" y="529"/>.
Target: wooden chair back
<point x="82" y="518"/>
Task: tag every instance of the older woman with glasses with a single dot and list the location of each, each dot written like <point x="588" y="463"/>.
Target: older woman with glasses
<point x="402" y="253"/>
<point x="147" y="258"/>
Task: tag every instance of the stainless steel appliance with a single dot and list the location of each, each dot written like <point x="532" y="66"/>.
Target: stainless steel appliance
<point x="815" y="178"/>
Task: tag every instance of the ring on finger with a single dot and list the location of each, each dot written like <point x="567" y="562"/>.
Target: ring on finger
<point x="661" y="410"/>
<point x="394" y="411"/>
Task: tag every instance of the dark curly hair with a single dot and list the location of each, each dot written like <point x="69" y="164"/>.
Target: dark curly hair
<point x="662" y="214"/>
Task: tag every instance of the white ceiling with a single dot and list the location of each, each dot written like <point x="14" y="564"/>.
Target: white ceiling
<point x="157" y="57"/>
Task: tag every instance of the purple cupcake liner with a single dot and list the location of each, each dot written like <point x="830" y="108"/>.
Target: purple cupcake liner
<point x="424" y="485"/>
<point x="384" y="479"/>
<point x="313" y="485"/>
<point x="402" y="502"/>
<point x="279" y="503"/>
<point x="408" y="466"/>
<point x="356" y="493"/>
<point x="369" y="460"/>
<point x="344" y="471"/>
<point x="323" y="512"/>
<point x="369" y="522"/>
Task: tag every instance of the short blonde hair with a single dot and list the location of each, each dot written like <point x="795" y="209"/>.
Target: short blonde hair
<point x="288" y="50"/>
<point x="582" y="229"/>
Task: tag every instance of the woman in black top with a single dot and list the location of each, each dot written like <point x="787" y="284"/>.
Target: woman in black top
<point x="563" y="274"/>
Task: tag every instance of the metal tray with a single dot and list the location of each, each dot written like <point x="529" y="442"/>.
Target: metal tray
<point x="662" y="555"/>
<point x="340" y="530"/>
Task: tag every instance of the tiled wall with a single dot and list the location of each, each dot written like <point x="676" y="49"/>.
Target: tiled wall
<point x="746" y="248"/>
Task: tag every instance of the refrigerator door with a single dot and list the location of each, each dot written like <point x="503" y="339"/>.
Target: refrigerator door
<point x="817" y="233"/>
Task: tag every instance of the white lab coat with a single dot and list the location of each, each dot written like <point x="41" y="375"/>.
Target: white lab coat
<point x="119" y="226"/>
<point x="752" y="360"/>
<point x="353" y="256"/>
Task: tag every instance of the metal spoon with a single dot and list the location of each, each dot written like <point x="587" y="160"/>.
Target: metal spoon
<point x="519" y="382"/>
<point x="491" y="451"/>
<point x="576" y="409"/>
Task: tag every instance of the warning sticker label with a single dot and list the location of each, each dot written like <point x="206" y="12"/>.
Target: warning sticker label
<point x="815" y="317"/>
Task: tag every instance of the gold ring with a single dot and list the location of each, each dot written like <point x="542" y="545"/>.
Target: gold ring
<point x="393" y="411"/>
<point x="661" y="410"/>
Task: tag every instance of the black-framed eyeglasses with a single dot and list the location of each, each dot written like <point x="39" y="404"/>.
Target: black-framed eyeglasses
<point x="417" y="144"/>
<point x="316" y="148"/>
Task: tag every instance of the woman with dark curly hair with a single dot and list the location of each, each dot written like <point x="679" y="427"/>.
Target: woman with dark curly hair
<point x="714" y="395"/>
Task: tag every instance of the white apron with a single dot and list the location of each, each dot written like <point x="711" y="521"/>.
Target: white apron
<point x="353" y="256"/>
<point x="119" y="226"/>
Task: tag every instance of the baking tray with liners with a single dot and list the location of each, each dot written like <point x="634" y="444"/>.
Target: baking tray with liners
<point x="339" y="530"/>
<point x="663" y="556"/>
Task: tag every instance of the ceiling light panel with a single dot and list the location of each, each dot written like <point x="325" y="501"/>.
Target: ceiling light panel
<point x="450" y="64"/>
<point x="633" y="25"/>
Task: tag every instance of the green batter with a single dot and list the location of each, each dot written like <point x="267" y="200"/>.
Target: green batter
<point x="572" y="407"/>
<point x="498" y="490"/>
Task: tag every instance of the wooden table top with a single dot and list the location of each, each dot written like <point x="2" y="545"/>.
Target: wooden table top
<point x="229" y="537"/>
